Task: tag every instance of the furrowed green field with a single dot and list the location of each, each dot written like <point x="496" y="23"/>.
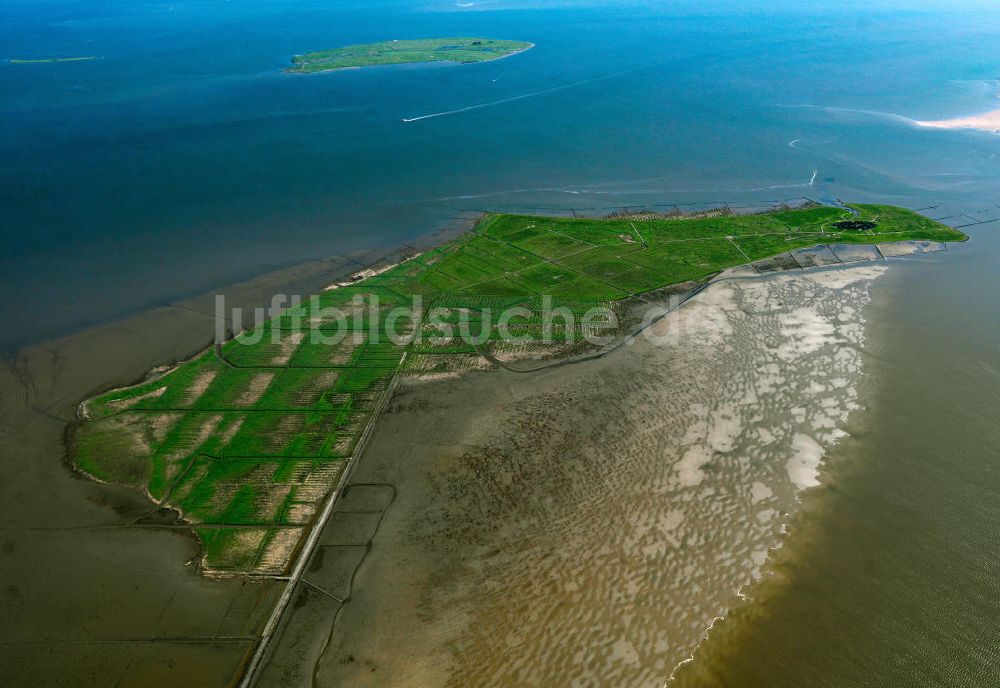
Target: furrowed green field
<point x="246" y="441"/>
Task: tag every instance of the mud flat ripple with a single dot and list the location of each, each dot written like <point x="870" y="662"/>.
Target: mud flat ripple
<point x="586" y="525"/>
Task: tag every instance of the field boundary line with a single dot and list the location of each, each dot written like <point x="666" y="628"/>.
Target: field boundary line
<point x="256" y="662"/>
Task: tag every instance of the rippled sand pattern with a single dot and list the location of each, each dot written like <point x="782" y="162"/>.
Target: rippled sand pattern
<point x="588" y="524"/>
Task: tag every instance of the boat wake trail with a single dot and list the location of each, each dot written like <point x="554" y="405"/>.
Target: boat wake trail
<point x="852" y="111"/>
<point x="523" y="96"/>
<point x="798" y="143"/>
<point x="599" y="190"/>
<point x="800" y="185"/>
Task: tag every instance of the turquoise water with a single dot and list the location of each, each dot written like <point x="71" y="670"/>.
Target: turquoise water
<point x="184" y="159"/>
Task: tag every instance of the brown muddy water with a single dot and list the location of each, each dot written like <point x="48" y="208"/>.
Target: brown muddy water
<point x="585" y="525"/>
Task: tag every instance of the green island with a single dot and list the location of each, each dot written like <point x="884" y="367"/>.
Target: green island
<point x="248" y="439"/>
<point x="47" y="60"/>
<point x="406" y="52"/>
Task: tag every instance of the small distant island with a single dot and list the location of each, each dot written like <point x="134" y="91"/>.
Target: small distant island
<point x="406" y="52"/>
<point x="47" y="60"/>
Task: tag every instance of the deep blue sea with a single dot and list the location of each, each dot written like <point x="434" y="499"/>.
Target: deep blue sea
<point x="184" y="159"/>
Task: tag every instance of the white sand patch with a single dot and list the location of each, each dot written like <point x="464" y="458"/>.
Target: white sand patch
<point x="765" y="516"/>
<point x="759" y="492"/>
<point x="724" y="428"/>
<point x="688" y="469"/>
<point x="988" y="121"/>
<point x="624" y="651"/>
<point x="803" y="467"/>
<point x="847" y="313"/>
<point x="902" y="249"/>
<point x="805" y="331"/>
<point x="838" y="279"/>
<point x="705" y="321"/>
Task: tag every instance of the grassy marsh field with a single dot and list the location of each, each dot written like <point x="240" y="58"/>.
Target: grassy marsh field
<point x="406" y="52"/>
<point x="248" y="439"/>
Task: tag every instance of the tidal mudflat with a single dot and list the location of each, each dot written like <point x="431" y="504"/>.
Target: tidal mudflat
<point x="99" y="586"/>
<point x="582" y="525"/>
